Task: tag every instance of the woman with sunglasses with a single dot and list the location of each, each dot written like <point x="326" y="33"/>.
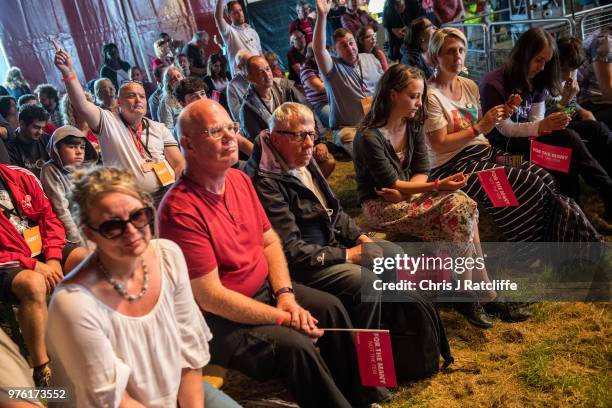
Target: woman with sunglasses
<point x="124" y="329"/>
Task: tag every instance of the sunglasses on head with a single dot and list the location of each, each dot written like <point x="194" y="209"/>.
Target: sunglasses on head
<point x="112" y="229"/>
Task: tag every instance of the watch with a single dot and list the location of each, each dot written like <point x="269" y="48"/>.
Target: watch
<point x="286" y="289"/>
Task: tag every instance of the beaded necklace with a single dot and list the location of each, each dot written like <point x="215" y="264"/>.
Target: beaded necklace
<point x="120" y="287"/>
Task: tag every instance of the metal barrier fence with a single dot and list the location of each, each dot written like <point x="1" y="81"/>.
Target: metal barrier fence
<point x="489" y="45"/>
<point x="556" y="26"/>
<point x="593" y="19"/>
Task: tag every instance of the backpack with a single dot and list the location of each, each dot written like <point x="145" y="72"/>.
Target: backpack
<point x="418" y="337"/>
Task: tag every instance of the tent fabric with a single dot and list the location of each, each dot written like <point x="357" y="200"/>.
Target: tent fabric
<point x="271" y="19"/>
<point x="83" y="26"/>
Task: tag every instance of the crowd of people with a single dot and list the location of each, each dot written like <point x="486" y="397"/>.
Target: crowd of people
<point x="190" y="221"/>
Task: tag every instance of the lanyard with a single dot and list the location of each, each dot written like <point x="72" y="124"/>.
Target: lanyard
<point x="137" y="139"/>
<point x="362" y="83"/>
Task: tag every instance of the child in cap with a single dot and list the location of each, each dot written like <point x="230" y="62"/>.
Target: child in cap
<point x="69" y="149"/>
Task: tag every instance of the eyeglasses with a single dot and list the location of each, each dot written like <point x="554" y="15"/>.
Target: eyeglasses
<point x="298" y="136"/>
<point x="113" y="229"/>
<point x="217" y="132"/>
<point x="130" y="81"/>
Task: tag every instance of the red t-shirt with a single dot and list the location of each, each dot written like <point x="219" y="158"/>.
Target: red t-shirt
<point x="49" y="128"/>
<point x="223" y="231"/>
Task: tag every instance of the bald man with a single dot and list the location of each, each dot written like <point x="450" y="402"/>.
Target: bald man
<point x="263" y="324"/>
<point x="128" y="140"/>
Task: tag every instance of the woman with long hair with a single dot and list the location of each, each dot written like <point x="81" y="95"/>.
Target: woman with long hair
<point x="366" y="41"/>
<point x="169" y="106"/>
<point x="456" y="127"/>
<point x="392" y="173"/>
<point x="15" y="83"/>
<point x="217" y="77"/>
<point x="533" y="71"/>
<point x="416" y="44"/>
<point x="124" y="328"/>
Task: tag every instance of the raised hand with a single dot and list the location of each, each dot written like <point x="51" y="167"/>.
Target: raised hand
<point x="63" y="60"/>
<point x="323" y="6"/>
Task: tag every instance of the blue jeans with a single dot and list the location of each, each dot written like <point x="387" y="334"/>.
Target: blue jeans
<point x="215" y="398"/>
<point x="322" y="112"/>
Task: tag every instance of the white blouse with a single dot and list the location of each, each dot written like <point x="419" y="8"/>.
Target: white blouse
<point x="98" y="353"/>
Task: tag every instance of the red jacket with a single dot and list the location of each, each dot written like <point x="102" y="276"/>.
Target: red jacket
<point x="28" y="194"/>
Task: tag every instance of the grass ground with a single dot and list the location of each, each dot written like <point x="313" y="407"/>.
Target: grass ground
<point x="562" y="356"/>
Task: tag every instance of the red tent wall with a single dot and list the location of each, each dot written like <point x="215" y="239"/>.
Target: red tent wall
<point x="83" y="26"/>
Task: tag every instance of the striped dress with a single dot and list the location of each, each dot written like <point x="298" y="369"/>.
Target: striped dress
<point x="542" y="214"/>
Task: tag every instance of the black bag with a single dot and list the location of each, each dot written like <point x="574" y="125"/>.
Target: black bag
<point x="418" y="338"/>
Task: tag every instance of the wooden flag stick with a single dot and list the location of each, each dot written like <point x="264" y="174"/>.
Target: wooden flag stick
<point x="335" y="329"/>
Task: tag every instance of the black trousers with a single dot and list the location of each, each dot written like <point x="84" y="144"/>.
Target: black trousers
<point x="582" y="163"/>
<point x="597" y="138"/>
<point x="601" y="111"/>
<point x="327" y="377"/>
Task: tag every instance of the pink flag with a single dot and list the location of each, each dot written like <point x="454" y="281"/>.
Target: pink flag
<point x="551" y="157"/>
<point x="375" y="358"/>
<point x="497" y="187"/>
<point x="215" y="96"/>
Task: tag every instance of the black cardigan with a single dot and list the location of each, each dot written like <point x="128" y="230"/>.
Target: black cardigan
<point x="377" y="165"/>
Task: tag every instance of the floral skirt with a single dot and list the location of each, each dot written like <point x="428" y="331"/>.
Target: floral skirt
<point x="432" y="216"/>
